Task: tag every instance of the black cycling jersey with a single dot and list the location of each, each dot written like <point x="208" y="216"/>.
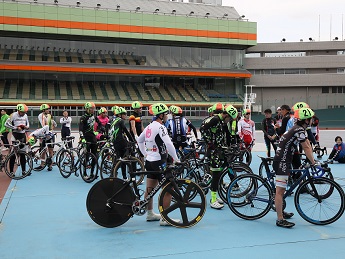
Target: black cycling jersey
<point x="118" y="131"/>
<point x="86" y="124"/>
<point x="212" y="130"/>
<point x="268" y="126"/>
<point x="288" y="144"/>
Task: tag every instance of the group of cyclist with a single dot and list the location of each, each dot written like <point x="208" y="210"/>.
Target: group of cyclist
<point x="160" y="139"/>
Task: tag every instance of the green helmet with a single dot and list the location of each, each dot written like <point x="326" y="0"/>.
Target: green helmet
<point x="209" y="109"/>
<point x="31" y="140"/>
<point x="102" y="110"/>
<point x="89" y="105"/>
<point x="158" y="108"/>
<point x="218" y="107"/>
<point x="175" y="109"/>
<point x="44" y="107"/>
<point x="303" y="113"/>
<point x="22" y="107"/>
<point x="232" y="111"/>
<point x="137" y="105"/>
<point x="113" y="109"/>
<point x="120" y="110"/>
<point x="299" y="105"/>
<point x="245" y="111"/>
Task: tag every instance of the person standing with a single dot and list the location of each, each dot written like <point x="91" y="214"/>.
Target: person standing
<point x="3" y="130"/>
<point x="269" y="131"/>
<point x="135" y="121"/>
<point x="65" y="122"/>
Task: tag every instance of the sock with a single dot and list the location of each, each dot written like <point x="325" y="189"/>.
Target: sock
<point x="213" y="196"/>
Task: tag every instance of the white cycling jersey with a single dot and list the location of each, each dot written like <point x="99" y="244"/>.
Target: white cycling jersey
<point x="15" y="120"/>
<point x="42" y="132"/>
<point x="154" y="143"/>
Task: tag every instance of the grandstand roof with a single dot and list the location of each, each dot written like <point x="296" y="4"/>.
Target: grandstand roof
<point x="149" y="6"/>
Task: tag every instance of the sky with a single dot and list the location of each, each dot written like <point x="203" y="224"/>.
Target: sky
<point x="321" y="20"/>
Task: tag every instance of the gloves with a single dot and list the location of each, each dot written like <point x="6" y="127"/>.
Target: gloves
<point x="82" y="140"/>
<point x="96" y="133"/>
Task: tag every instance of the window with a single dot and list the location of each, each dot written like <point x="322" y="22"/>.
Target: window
<point x="325" y="89"/>
<point x="334" y="89"/>
<point x="341" y="70"/>
<point x="340" y="89"/>
<point x="329" y="106"/>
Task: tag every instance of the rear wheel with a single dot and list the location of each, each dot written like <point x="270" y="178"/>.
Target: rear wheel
<point x="107" y="165"/>
<point x="122" y="169"/>
<point x="66" y="163"/>
<point x="37" y="160"/>
<point x="106" y="210"/>
<point x="88" y="167"/>
<point x="19" y="171"/>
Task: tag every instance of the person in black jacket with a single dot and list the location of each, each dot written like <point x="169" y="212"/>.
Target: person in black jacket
<point x="269" y="131"/>
<point x="285" y="111"/>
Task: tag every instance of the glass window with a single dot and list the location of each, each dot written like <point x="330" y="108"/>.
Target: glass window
<point x="334" y="89"/>
<point x="340" y="89"/>
<point x="325" y="90"/>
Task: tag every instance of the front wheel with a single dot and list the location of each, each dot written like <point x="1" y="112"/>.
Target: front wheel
<point x="122" y="169"/>
<point x="66" y="163"/>
<point x="323" y="204"/>
<point x="109" y="202"/>
<point x="182" y="212"/>
<point x="22" y="165"/>
<point x="88" y="167"/>
<point x="107" y="164"/>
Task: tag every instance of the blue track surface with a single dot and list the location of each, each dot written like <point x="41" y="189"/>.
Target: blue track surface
<point x="44" y="216"/>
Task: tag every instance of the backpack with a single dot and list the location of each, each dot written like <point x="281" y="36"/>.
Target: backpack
<point x="178" y="133"/>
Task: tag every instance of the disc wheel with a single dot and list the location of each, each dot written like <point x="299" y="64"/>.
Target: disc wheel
<point x="108" y="212"/>
<point x="181" y="212"/>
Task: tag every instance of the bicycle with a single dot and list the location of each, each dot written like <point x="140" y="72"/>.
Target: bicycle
<point x="79" y="159"/>
<point x="18" y="154"/>
<point x="322" y="203"/>
<point x="112" y="201"/>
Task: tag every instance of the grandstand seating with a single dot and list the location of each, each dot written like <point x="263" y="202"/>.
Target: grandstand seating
<point x="51" y="90"/>
<point x="143" y="92"/>
<point x="63" y="91"/>
<point x="121" y="91"/>
<point x="75" y="91"/>
<point x="174" y="93"/>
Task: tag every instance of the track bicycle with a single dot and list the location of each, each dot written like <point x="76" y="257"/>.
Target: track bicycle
<point x="112" y="201"/>
<point x="79" y="159"/>
<point x="19" y="156"/>
<point x="323" y="203"/>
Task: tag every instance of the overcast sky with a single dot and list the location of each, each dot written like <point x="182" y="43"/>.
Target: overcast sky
<point x="294" y="19"/>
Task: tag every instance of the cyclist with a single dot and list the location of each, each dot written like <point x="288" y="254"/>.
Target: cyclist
<point x="178" y="128"/>
<point x="101" y="122"/>
<point x="283" y="159"/>
<point x="246" y="128"/>
<point x="44" y="119"/>
<point x="269" y="131"/>
<point x="3" y="130"/>
<point x="86" y="131"/>
<point x="338" y="151"/>
<point x="119" y="134"/>
<point x="65" y="122"/>
<point x="213" y="132"/>
<point x="135" y="122"/>
<point x="19" y="123"/>
<point x="40" y="133"/>
<point x="155" y="144"/>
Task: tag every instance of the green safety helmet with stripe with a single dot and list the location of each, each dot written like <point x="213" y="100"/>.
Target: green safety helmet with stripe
<point x="137" y="105"/>
<point x="232" y="111"/>
<point x="175" y="109"/>
<point x="158" y="108"/>
<point x="120" y="110"/>
<point x="299" y="105"/>
<point x="219" y="107"/>
<point x="89" y="105"/>
<point x="113" y="109"/>
<point x="303" y="113"/>
<point x="245" y="111"/>
<point x="31" y="140"/>
<point x="22" y="107"/>
<point x="44" y="107"/>
<point x="209" y="110"/>
<point x="102" y="110"/>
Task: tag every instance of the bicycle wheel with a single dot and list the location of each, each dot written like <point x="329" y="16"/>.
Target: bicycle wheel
<point x="106" y="210"/>
<point x="249" y="197"/>
<point x="182" y="212"/>
<point x="37" y="160"/>
<point x="328" y="175"/>
<point x="320" y="207"/>
<point x="225" y="179"/>
<point x="66" y="163"/>
<point x="107" y="165"/>
<point x="121" y="169"/>
<point x="262" y="170"/>
<point x="18" y="172"/>
<point x="245" y="157"/>
<point x="88" y="167"/>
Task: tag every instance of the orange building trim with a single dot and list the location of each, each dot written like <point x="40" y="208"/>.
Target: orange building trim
<point x="8" y="20"/>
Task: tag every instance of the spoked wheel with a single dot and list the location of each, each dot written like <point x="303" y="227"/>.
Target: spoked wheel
<point x="252" y="200"/>
<point x="181" y="212"/>
<point x="106" y="210"/>
<point x="88" y="167"/>
<point x="37" y="164"/>
<point x="122" y="169"/>
<point x="66" y="163"/>
<point x="324" y="204"/>
<point x="107" y="165"/>
<point x="227" y="176"/>
<point x="246" y="157"/>
<point x="22" y="165"/>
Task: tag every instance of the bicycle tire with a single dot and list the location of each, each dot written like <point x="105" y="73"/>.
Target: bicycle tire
<point x="225" y="178"/>
<point x="88" y="167"/>
<point x="120" y="210"/>
<point x="139" y="166"/>
<point x="66" y="163"/>
<point x="107" y="165"/>
<point x="36" y="158"/>
<point x="191" y="212"/>
<point x="255" y="202"/>
<point x="308" y="205"/>
<point x="262" y="170"/>
<point x="16" y="174"/>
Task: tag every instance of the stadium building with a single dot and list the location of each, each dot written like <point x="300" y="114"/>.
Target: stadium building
<point x="65" y="53"/>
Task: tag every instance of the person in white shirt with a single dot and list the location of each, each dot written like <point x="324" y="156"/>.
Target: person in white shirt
<point x="65" y="122"/>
